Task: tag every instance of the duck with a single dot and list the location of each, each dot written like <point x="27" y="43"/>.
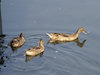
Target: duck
<point x="17" y="41"/>
<point x="35" y="50"/>
<point x="65" y="36"/>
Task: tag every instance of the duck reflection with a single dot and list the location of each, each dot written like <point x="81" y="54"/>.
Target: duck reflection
<point x="28" y="58"/>
<point x="80" y="44"/>
<point x="14" y="49"/>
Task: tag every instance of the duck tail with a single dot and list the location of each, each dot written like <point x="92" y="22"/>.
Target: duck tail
<point x="48" y="34"/>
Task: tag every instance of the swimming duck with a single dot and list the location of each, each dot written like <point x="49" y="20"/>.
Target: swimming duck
<point x="17" y="41"/>
<point x="65" y="37"/>
<point x="36" y="49"/>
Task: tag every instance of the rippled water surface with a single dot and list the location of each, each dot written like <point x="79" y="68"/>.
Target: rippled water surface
<point x="34" y="18"/>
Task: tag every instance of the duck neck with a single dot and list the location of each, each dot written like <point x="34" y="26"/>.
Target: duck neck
<point x="21" y="37"/>
<point x="41" y="45"/>
<point x="77" y="33"/>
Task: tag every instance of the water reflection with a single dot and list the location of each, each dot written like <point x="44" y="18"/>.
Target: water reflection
<point x="80" y="44"/>
<point x="1" y="51"/>
<point x="2" y="48"/>
<point x="28" y="58"/>
<point x="14" y="49"/>
<point x="1" y="42"/>
<point x="1" y="60"/>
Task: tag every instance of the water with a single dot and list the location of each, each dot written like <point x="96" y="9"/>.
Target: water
<point x="36" y="17"/>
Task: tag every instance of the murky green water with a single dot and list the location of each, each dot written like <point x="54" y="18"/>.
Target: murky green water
<point x="36" y="17"/>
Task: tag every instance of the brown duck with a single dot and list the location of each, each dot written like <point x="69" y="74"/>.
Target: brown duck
<point x="17" y="41"/>
<point x="65" y="37"/>
<point x="36" y="49"/>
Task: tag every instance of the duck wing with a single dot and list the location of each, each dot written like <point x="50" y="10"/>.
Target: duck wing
<point x="62" y="34"/>
<point x="34" y="48"/>
<point x="16" y="39"/>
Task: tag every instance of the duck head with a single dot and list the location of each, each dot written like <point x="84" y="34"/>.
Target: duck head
<point x="81" y="30"/>
<point x="21" y="35"/>
<point x="41" y="41"/>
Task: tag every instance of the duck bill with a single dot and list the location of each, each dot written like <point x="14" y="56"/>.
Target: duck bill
<point x="84" y="32"/>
